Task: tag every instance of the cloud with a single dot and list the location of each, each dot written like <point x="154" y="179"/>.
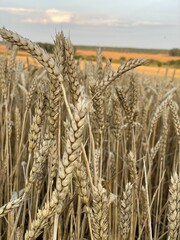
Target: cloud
<point x="35" y="20"/>
<point x="57" y="16"/>
<point x="50" y="16"/>
<point x="145" y="23"/>
<point x="98" y="20"/>
<point x="16" y="10"/>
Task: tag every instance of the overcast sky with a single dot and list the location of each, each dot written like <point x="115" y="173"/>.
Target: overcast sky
<point x="121" y="23"/>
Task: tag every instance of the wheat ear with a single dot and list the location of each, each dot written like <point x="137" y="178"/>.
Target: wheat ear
<point x="72" y="72"/>
<point x="99" y="214"/>
<point x="133" y="171"/>
<point x="82" y="182"/>
<point x="42" y="217"/>
<point x="112" y="76"/>
<point x="37" y="52"/>
<point x="126" y="212"/>
<point x="59" y="52"/>
<point x="40" y="157"/>
<point x="35" y="128"/>
<point x="173" y="205"/>
<point x="159" y="111"/>
<point x="99" y="65"/>
<point x="73" y="149"/>
<point x="8" y="207"/>
<point x="176" y="120"/>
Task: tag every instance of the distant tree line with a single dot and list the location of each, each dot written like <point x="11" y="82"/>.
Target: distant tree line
<point x="49" y="47"/>
<point x="174" y="52"/>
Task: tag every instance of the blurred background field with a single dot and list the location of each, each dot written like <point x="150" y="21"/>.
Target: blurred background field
<point x="161" y="62"/>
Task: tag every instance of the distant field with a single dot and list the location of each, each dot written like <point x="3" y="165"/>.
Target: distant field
<point x="162" y="57"/>
<point x="150" y="70"/>
<point x="111" y="53"/>
<point x="21" y="55"/>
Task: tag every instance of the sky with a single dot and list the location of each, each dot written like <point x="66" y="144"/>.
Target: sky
<point x="117" y="23"/>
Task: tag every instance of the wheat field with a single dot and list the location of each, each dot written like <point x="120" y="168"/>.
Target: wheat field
<point x="90" y="153"/>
